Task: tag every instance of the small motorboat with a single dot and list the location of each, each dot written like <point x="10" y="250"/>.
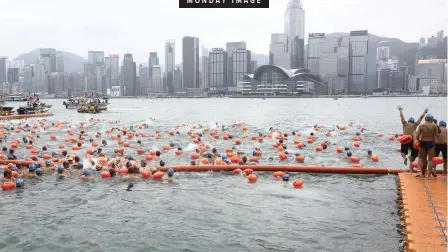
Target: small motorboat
<point x="6" y="110"/>
<point x="87" y="111"/>
<point x="29" y="110"/>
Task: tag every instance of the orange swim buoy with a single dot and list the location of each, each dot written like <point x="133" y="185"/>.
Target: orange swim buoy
<point x="46" y="156"/>
<point x="340" y="150"/>
<point x="375" y="158"/>
<point x="319" y="148"/>
<point x="380" y="134"/>
<point x="35" y="151"/>
<point x="356" y="144"/>
<point x="29" y="147"/>
<point x="391" y="138"/>
<point x="204" y="161"/>
<point x="52" y="137"/>
<point x="354" y="159"/>
<point x="310" y="140"/>
<point x="253" y="159"/>
<point x="105" y="174"/>
<point x="437" y="160"/>
<point x="280" y="148"/>
<point x="252" y="178"/>
<point x="235" y="159"/>
<point x="237" y="171"/>
<point x="158" y="175"/>
<point x="145" y="174"/>
<point x="278" y="174"/>
<point x="179" y="152"/>
<point x="140" y="151"/>
<point x="298" y="183"/>
<point x="416" y="145"/>
<point x="15" y="174"/>
<point x="76" y="147"/>
<point x="356" y="138"/>
<point x="300" y="159"/>
<point x="282" y="156"/>
<point x="237" y="141"/>
<point x="194" y="155"/>
<point x="8" y="186"/>
<point x="122" y="171"/>
<point x="405" y="139"/>
<point x="166" y="147"/>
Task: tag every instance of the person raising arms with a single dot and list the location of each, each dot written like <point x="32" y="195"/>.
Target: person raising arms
<point x="409" y="127"/>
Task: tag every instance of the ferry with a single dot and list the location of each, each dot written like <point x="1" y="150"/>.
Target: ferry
<point x="18" y="97"/>
<point x="77" y="102"/>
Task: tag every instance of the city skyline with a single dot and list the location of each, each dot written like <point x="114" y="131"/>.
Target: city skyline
<point x="119" y="34"/>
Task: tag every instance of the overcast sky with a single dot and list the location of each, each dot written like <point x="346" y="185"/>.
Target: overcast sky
<point x="141" y="26"/>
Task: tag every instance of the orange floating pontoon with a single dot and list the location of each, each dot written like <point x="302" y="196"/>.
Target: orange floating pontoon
<point x="424" y="213"/>
<point x="18" y="117"/>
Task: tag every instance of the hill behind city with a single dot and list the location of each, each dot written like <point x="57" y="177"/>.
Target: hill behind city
<point x="72" y="62"/>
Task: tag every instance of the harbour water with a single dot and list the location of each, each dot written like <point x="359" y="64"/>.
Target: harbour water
<point x="218" y="211"/>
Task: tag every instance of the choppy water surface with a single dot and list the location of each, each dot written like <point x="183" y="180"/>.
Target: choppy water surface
<point x="220" y="212"/>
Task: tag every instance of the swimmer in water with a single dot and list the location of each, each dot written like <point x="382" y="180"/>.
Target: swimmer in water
<point x="409" y="128"/>
<point x="170" y="173"/>
<point x="86" y="176"/>
<point x="7" y="176"/>
<point x="31" y="173"/>
<point x="131" y="176"/>
<point x="428" y="132"/>
<point x="441" y="145"/>
<point x="61" y="173"/>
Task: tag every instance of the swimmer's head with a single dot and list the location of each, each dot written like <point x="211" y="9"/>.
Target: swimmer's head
<point x="369" y="152"/>
<point x="209" y="155"/>
<point x="158" y="153"/>
<point x="429" y="117"/>
<point x="39" y="171"/>
<point x="143" y="163"/>
<point x="312" y="134"/>
<point x="254" y="153"/>
<point x="411" y="120"/>
<point x="47" y="162"/>
<point x="244" y="159"/>
<point x="179" y="148"/>
<point x="80" y="165"/>
<point x="214" y="150"/>
<point x="86" y="172"/>
<point x="131" y="157"/>
<point x="162" y="163"/>
<point x="349" y="154"/>
<point x="10" y="165"/>
<point x="357" y="133"/>
<point x="170" y="172"/>
<point x="44" y="148"/>
<point x="20" y="183"/>
<point x="140" y="141"/>
<point x="32" y="167"/>
<point x="60" y="169"/>
<point x="285" y="177"/>
<point x="346" y="148"/>
<point x="442" y="123"/>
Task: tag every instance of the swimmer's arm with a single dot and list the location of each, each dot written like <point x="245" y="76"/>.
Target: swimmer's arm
<point x="421" y="117"/>
<point x="403" y="121"/>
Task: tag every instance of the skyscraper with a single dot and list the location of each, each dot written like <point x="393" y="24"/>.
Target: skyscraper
<point x="59" y="61"/>
<point x="295" y="30"/>
<point x="218" y="70"/>
<point x="278" y="51"/>
<point x="143" y="78"/>
<point x="128" y="85"/>
<point x="94" y="71"/>
<point x="204" y="67"/>
<point x="3" y="60"/>
<point x="240" y="64"/>
<point x="382" y="51"/>
<point x="357" y="71"/>
<point x="190" y="62"/>
<point x="170" y="61"/>
<point x="230" y="47"/>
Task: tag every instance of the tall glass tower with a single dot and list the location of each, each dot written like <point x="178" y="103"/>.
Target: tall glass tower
<point x="295" y="29"/>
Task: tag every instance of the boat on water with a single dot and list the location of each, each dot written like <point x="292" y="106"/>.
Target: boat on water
<point x="335" y="97"/>
<point x="16" y="98"/>
<point x="77" y="102"/>
<point x="364" y="96"/>
<point x="29" y="110"/>
<point x="6" y="110"/>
